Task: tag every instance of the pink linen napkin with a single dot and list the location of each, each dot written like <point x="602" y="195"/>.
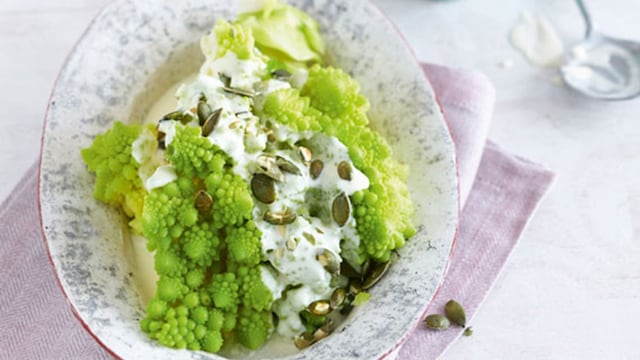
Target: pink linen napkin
<point x="499" y="193"/>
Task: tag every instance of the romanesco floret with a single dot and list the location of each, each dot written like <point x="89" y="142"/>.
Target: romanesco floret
<point x="192" y="154"/>
<point x="287" y="107"/>
<point x="200" y="244"/>
<point x="235" y="38"/>
<point x="232" y="202"/>
<point x="253" y="327"/>
<point x="224" y="291"/>
<point x="243" y="244"/>
<point x="254" y="293"/>
<point x="167" y="212"/>
<point x="109" y="157"/>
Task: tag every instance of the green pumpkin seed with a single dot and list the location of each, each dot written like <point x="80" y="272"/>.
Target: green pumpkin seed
<point x="174" y="115"/>
<point x="468" y="331"/>
<point x="329" y="261"/>
<point x="287" y="166"/>
<point x="315" y="168"/>
<point x="226" y="81"/>
<point x="211" y="122"/>
<point x="337" y="298"/>
<point x="304" y="340"/>
<point x="269" y="167"/>
<point x="204" y="201"/>
<point x="280" y="217"/>
<point x="455" y="313"/>
<point x="305" y="154"/>
<point x="241" y="92"/>
<point x="204" y="110"/>
<point x="310" y="238"/>
<point x="319" y="307"/>
<point x="280" y="74"/>
<point x="347" y="270"/>
<point x="341" y="209"/>
<point x="345" y="170"/>
<point x="263" y="188"/>
<point x="376" y="273"/>
<point x="160" y="137"/>
<point x="291" y="243"/>
<point x="437" y="322"/>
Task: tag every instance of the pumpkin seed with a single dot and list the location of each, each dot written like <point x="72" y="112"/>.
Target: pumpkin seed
<point x="280" y="217"/>
<point x="291" y="243"/>
<point x="310" y="238"/>
<point x="375" y="275"/>
<point x="337" y="298"/>
<point x="305" y="153"/>
<point x="437" y="322"/>
<point x="345" y="170"/>
<point x="263" y="188"/>
<point x="315" y="168"/>
<point x="304" y="340"/>
<point x="204" y="110"/>
<point x="287" y="166"/>
<point x="355" y="287"/>
<point x="235" y="125"/>
<point x="211" y="122"/>
<point x="347" y="270"/>
<point x="174" y="115"/>
<point x="160" y="137"/>
<point x="329" y="261"/>
<point x="340" y="209"/>
<point x="455" y="313"/>
<point x="319" y="307"/>
<point x="226" y="81"/>
<point x="280" y="74"/>
<point x="236" y="91"/>
<point x="364" y="270"/>
<point x="269" y="167"/>
<point x="468" y="331"/>
<point x="204" y="201"/>
<point x="320" y="334"/>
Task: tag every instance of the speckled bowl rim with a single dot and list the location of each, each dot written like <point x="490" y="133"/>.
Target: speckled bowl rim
<point x="392" y="352"/>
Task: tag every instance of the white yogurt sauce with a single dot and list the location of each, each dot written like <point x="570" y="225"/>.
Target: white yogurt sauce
<point x="243" y="137"/>
<point x="537" y="39"/>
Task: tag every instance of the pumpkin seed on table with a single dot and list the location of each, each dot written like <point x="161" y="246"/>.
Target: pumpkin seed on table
<point x="437" y="322"/>
<point x="455" y="313"/>
<point x="315" y="168"/>
<point x="211" y="122"/>
<point x="263" y="188"/>
<point x="468" y="331"/>
<point x="341" y="209"/>
<point x="345" y="170"/>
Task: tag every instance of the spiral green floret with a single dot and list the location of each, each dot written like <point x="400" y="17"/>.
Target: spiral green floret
<point x="232" y="202"/>
<point x="224" y="291"/>
<point x="287" y="107"/>
<point x="244" y="245"/>
<point x="235" y="38"/>
<point x="254" y="293"/>
<point x="200" y="244"/>
<point x="168" y="212"/>
<point x="109" y="157"/>
<point x="254" y="327"/>
<point x="192" y="154"/>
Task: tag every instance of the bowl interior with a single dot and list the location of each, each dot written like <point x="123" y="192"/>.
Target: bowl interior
<point x="131" y="53"/>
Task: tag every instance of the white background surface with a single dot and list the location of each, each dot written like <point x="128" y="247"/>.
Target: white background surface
<point x="572" y="288"/>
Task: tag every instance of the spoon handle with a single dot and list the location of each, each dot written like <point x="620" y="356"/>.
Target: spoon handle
<point x="586" y="16"/>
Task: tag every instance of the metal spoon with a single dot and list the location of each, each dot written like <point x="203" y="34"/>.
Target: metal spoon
<point x="603" y="67"/>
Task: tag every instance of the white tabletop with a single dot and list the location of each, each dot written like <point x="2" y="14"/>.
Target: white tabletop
<point x="572" y="288"/>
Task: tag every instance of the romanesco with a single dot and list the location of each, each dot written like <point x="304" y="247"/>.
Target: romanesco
<point x="224" y="291"/>
<point x="117" y="182"/>
<point x="287" y="107"/>
<point x="232" y="202"/>
<point x="254" y="293"/>
<point x="253" y="327"/>
<point x="235" y="38"/>
<point x="244" y="245"/>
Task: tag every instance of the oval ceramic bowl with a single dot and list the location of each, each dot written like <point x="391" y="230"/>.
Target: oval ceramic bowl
<point x="132" y="52"/>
